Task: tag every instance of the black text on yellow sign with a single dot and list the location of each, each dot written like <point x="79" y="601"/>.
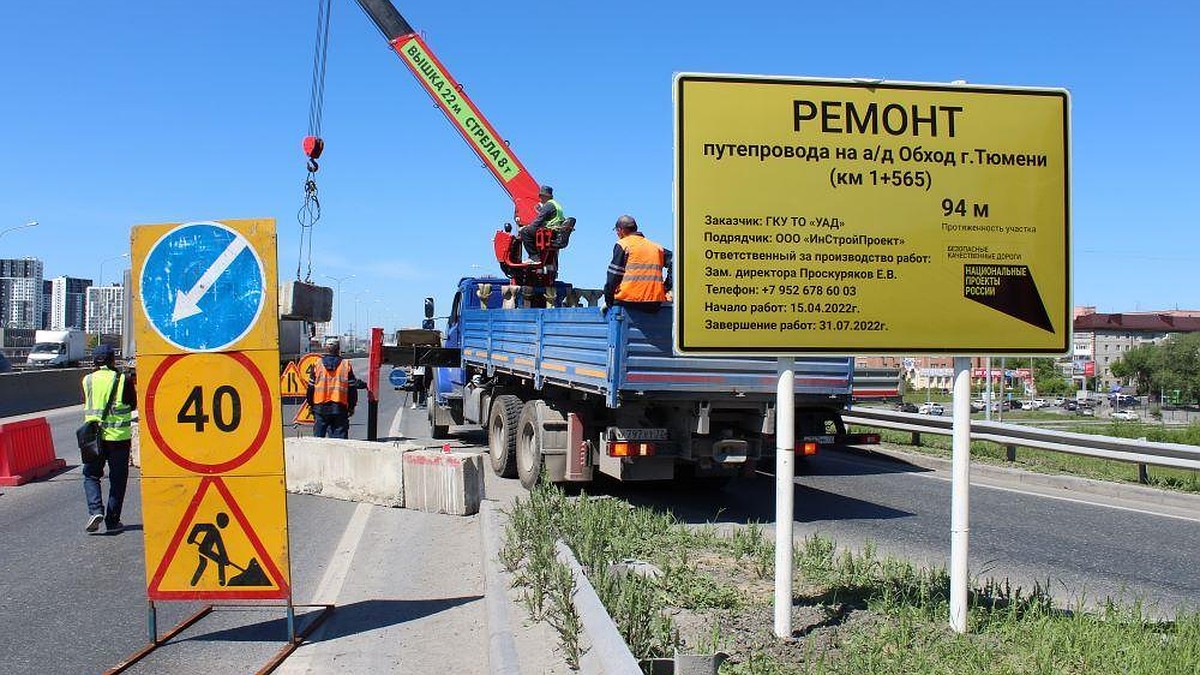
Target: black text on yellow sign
<point x="851" y="217"/>
<point x="211" y="414"/>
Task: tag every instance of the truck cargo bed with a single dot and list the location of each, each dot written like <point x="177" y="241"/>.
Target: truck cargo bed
<point x="627" y="352"/>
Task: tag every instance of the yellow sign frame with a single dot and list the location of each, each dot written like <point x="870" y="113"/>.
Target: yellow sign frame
<point x="788" y="240"/>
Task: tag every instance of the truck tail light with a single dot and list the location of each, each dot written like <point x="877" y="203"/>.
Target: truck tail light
<point x="807" y="448"/>
<point x="630" y="449"/>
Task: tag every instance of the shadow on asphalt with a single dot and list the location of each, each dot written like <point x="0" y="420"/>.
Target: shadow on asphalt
<point x="351" y="619"/>
<point x="743" y="501"/>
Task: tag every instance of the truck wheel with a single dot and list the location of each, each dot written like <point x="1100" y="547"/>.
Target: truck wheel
<point x="529" y="446"/>
<point x="502" y="434"/>
<point x="437" y="431"/>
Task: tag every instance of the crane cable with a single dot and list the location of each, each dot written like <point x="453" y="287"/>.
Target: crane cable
<point x="310" y="211"/>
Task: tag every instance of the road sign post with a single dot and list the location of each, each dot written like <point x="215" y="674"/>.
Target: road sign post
<point x="851" y="217"/>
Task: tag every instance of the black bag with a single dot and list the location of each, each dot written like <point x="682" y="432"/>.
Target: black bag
<point x="88" y="435"/>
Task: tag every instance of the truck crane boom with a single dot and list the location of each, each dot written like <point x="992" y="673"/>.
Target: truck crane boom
<point x="462" y="112"/>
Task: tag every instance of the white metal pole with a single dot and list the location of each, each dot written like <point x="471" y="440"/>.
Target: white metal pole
<point x="960" y="508"/>
<point x="785" y="473"/>
<point x="987" y="406"/>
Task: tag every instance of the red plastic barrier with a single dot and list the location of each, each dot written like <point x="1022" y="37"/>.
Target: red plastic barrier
<point x="26" y="451"/>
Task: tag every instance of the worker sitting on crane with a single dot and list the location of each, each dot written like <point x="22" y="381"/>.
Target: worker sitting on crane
<point x="549" y="216"/>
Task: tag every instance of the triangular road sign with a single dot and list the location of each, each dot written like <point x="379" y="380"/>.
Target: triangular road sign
<point x="291" y="383"/>
<point x="216" y="554"/>
<point x="304" y="415"/>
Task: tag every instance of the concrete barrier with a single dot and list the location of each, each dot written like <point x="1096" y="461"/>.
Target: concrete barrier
<point x="443" y="482"/>
<point x="359" y="471"/>
<point x="33" y="390"/>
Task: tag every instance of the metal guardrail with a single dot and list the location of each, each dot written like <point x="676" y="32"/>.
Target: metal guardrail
<point x="1134" y="451"/>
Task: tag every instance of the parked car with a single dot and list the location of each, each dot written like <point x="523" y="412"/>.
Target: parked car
<point x="906" y="407"/>
<point x="931" y="409"/>
<point x="1071" y="406"/>
<point x="1125" y="415"/>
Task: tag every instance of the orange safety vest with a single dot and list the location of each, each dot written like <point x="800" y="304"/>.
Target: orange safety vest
<point x="643" y="280"/>
<point x="332" y="386"/>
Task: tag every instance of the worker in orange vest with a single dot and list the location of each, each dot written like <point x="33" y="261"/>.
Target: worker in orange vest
<point x="332" y="394"/>
<point x="635" y="275"/>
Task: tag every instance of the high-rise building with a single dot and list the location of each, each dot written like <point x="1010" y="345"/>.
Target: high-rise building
<point x="68" y="302"/>
<point x="105" y="309"/>
<point x="47" y="289"/>
<point x="21" y="293"/>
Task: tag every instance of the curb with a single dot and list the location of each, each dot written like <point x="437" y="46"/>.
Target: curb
<point x="1077" y="484"/>
<point x="607" y="644"/>
<point x="502" y="647"/>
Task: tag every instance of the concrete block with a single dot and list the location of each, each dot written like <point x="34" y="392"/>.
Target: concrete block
<point x="357" y="471"/>
<point x="443" y="482"/>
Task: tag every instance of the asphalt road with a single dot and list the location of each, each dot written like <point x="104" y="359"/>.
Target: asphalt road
<point x="76" y="603"/>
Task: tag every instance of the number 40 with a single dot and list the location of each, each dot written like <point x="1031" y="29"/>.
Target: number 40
<point x="192" y="411"/>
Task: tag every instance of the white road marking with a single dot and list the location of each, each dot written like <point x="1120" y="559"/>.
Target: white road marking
<point x="331" y="586"/>
<point x="1061" y="498"/>
<point x="397" y="420"/>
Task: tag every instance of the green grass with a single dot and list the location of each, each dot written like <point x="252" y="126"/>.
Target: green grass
<point x="874" y="614"/>
<point x="1046" y="461"/>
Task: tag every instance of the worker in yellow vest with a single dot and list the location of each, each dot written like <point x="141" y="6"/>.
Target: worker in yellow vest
<point x="116" y="434"/>
<point x="332" y="394"/>
<point x="635" y="275"/>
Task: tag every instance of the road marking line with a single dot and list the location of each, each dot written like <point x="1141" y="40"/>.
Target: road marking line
<point x="330" y="588"/>
<point x="398" y="419"/>
<point x="1061" y="498"/>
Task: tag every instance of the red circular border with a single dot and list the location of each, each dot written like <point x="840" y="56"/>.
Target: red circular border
<point x="181" y="461"/>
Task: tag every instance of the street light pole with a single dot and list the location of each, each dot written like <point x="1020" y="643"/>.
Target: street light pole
<point x="339" y="281"/>
<point x="32" y="223"/>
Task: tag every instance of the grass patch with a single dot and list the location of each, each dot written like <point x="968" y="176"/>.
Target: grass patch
<point x="854" y="611"/>
<point x="1045" y="461"/>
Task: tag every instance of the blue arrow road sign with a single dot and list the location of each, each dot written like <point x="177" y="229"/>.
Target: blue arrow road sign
<point x="202" y="286"/>
<point x="398" y="377"/>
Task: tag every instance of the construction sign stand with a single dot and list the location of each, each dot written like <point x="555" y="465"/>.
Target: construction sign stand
<point x="213" y="495"/>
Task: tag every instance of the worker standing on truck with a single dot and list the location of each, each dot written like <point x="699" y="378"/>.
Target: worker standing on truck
<point x="332" y="394"/>
<point x="635" y="275"/>
<point x="549" y="215"/>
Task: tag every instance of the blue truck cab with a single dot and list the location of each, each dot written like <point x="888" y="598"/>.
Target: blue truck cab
<point x="568" y="388"/>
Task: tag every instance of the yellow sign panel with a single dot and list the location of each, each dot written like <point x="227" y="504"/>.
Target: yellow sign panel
<point x="205" y="286"/>
<point x="856" y="217"/>
<point x="216" y="538"/>
<point x="291" y="383"/>
<point x="304" y="415"/>
<point x="210" y="414"/>
<point x="307" y="367"/>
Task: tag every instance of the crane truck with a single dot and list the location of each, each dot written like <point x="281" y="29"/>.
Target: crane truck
<point x="568" y="389"/>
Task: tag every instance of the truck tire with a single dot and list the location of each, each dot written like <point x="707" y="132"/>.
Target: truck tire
<point x="529" y="446"/>
<point x="502" y="434"/>
<point x="437" y="431"/>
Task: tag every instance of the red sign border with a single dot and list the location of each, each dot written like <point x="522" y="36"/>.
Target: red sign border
<point x="197" y="467"/>
<point x="153" y="591"/>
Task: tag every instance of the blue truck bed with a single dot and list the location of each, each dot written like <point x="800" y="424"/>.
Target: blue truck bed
<point x="627" y="352"/>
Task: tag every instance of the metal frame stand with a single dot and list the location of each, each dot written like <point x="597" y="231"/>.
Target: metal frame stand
<point x="295" y="639"/>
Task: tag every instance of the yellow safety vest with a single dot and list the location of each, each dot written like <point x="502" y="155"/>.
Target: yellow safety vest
<point x="97" y="387"/>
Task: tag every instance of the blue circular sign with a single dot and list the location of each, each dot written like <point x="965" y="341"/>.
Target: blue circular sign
<point x="202" y="286"/>
<point x="398" y="377"/>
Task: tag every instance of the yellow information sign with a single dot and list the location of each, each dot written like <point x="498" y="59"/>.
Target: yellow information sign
<point x="291" y="383"/>
<point x="870" y="217"/>
<point x="210" y="414"/>
<point x="206" y="321"/>
<point x="205" y="538"/>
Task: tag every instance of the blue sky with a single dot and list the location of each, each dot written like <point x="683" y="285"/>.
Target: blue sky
<point x="140" y="111"/>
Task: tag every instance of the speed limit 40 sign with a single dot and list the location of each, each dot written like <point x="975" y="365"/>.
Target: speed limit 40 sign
<point x="205" y="320"/>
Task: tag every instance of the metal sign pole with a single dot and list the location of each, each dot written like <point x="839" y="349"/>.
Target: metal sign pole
<point x="785" y="472"/>
<point x="960" y="493"/>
